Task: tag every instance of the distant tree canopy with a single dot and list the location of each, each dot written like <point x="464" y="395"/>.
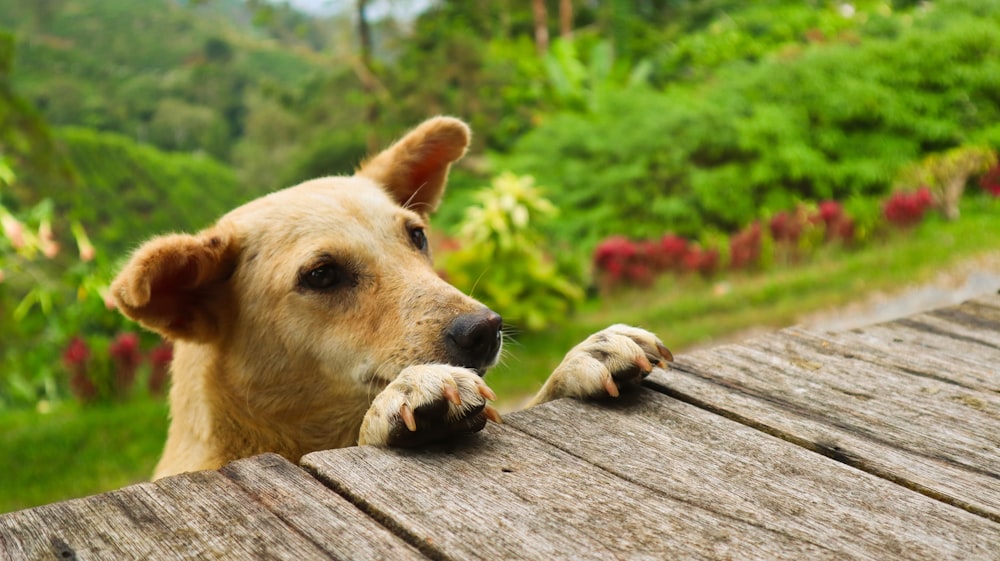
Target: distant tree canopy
<point x="684" y="115"/>
<point x="25" y="141"/>
<point x="128" y="192"/>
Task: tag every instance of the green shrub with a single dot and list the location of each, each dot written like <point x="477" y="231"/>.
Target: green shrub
<point x="502" y="261"/>
<point x="127" y="192"/>
<point x="831" y="121"/>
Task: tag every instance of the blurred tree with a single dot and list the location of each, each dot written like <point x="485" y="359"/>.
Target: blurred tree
<point x="541" y="16"/>
<point x="25" y="140"/>
<point x="565" y="18"/>
<point x="367" y="75"/>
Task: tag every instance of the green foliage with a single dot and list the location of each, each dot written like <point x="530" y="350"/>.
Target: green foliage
<point x="831" y="121"/>
<point x="155" y="70"/>
<point x="24" y="136"/>
<point x="45" y="298"/>
<point x="127" y="192"/>
<point x="578" y="83"/>
<point x="502" y="262"/>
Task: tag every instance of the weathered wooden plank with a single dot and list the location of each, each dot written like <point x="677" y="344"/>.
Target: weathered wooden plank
<point x="955" y="424"/>
<point x="970" y="322"/>
<point x="923" y="354"/>
<point x="705" y="460"/>
<point x="193" y="516"/>
<point x="939" y="438"/>
<point x="328" y="520"/>
<point x="506" y="495"/>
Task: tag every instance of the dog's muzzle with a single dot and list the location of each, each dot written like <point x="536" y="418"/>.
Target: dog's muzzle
<point x="473" y="340"/>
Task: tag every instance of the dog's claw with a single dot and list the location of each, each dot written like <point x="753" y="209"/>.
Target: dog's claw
<point x="407" y="415"/>
<point x="450" y="392"/>
<point x="664" y="352"/>
<point x="643" y="363"/>
<point x="492" y="414"/>
<point x="610" y="386"/>
<point x="486" y="392"/>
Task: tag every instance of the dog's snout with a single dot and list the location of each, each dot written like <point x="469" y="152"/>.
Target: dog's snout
<point x="474" y="339"/>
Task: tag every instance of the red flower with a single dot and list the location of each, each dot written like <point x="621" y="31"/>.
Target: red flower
<point x="745" y="247"/>
<point x="160" y="358"/>
<point x="702" y="261"/>
<point x="990" y="181"/>
<point x="613" y="255"/>
<point x="125" y="354"/>
<point x="830" y="212"/>
<point x="76" y="352"/>
<point x="75" y="357"/>
<point x="908" y="209"/>
<point x="669" y="256"/>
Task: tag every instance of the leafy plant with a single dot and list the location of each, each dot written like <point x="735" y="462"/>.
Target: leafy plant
<point x="581" y="83"/>
<point x="826" y="121"/>
<point x="946" y="174"/>
<point x="501" y="258"/>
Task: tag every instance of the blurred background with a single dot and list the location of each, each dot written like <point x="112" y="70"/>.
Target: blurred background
<point x="701" y="168"/>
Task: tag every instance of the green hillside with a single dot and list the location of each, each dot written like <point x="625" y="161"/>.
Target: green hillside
<point x="154" y="70"/>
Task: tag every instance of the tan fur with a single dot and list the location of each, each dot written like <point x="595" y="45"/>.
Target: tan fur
<point x="264" y="365"/>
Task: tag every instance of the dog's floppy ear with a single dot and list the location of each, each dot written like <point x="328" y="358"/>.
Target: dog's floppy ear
<point x="414" y="169"/>
<point x="169" y="283"/>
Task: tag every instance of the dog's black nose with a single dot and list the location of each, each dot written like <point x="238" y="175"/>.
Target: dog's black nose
<point x="473" y="340"/>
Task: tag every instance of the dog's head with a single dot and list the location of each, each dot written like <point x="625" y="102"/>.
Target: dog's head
<point x="332" y="277"/>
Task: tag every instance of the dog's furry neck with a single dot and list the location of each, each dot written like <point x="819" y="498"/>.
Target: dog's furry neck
<point x="213" y="425"/>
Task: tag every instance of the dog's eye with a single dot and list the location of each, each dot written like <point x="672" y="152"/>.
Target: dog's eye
<point x="325" y="277"/>
<point x="419" y="238"/>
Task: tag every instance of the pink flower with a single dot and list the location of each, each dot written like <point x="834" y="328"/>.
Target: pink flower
<point x="14" y="230"/>
<point x="50" y="249"/>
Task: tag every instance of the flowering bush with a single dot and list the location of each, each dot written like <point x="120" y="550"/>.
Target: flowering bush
<point x="619" y="260"/>
<point x="111" y="374"/>
<point x="908" y="209"/>
<point x="702" y="261"/>
<point x="990" y="181"/>
<point x="837" y="224"/>
<point x="745" y="247"/>
<point x="47" y="297"/>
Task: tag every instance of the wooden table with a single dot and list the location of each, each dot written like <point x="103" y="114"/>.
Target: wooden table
<point x="877" y="443"/>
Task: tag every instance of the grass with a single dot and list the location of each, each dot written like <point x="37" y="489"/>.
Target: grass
<point x="75" y="451"/>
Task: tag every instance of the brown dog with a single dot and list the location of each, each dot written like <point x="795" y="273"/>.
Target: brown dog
<point x="312" y="318"/>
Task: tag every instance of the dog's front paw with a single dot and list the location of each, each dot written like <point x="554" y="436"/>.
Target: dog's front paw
<point x="427" y="403"/>
<point x="599" y="365"/>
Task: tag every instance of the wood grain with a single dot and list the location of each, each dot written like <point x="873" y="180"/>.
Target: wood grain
<point x="925" y="355"/>
<point x="192" y="516"/>
<point x="326" y="519"/>
<point x="936" y="430"/>
<point x="714" y="463"/>
<point x="505" y="495"/>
